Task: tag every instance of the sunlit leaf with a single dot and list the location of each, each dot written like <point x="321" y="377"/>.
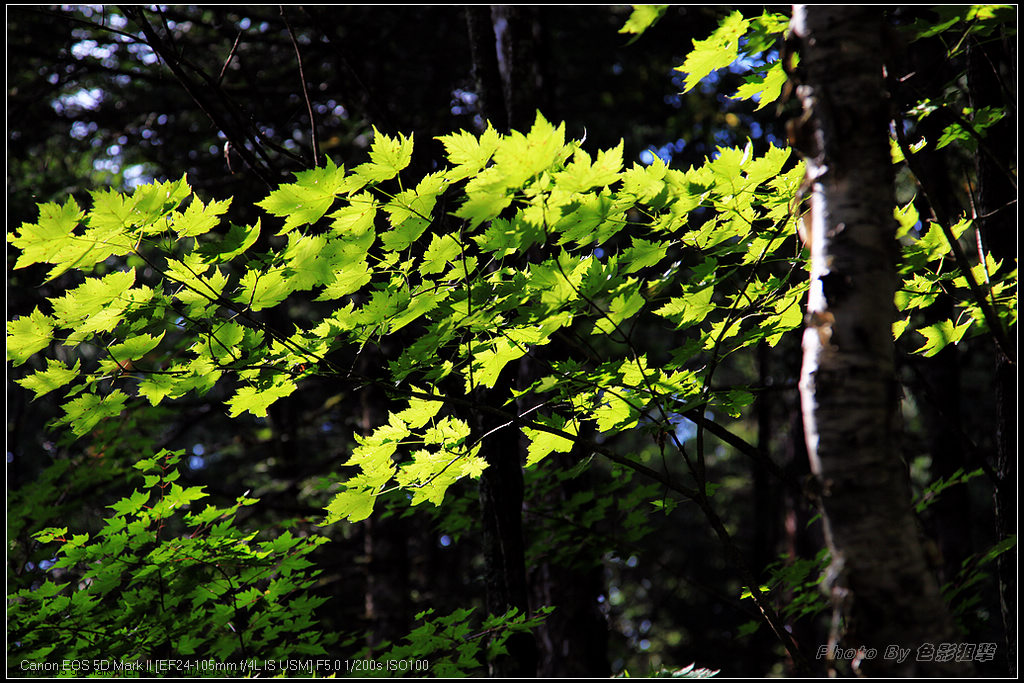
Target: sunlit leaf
<point x="715" y="52"/>
<point x="642" y="18"/>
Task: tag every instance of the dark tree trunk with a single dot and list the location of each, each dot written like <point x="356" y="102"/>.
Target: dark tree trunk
<point x="992" y="82"/>
<point x="766" y="504"/>
<point x="882" y="590"/>
<point x="501" y="484"/>
<point x="573" y="641"/>
<point x="515" y="28"/>
<point x="501" y="507"/>
<point x="387" y="603"/>
<point x="486" y="73"/>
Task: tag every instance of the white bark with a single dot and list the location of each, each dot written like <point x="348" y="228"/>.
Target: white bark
<point x="883" y="592"/>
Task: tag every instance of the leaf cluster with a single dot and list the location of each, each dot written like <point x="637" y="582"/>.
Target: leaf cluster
<point x="453" y="645"/>
<point x="545" y="242"/>
<point x="165" y="578"/>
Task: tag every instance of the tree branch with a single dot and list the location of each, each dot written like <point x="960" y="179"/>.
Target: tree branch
<point x="995" y="325"/>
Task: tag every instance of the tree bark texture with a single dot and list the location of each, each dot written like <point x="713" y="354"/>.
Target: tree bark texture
<point x="881" y="588"/>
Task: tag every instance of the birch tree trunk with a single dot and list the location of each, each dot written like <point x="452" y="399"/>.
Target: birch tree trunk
<point x="883" y="593"/>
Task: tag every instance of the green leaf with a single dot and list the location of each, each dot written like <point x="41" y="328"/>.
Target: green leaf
<point x="306" y="200"/>
<point x="86" y="411"/>
<point x="54" y="232"/>
<point x="187" y="644"/>
<point x="410" y="212"/>
<point x="484" y="201"/>
<point x="355" y="219"/>
<point x="521" y="157"/>
<point x="48" y="534"/>
<point x="907" y="217"/>
<point x="420" y="411"/>
<point x="647" y="183"/>
<point x="237" y="241"/>
<point x="314" y="260"/>
<point x="716" y="52"/>
<point x="543" y="444"/>
<point x="92" y="296"/>
<point x="27" y="335"/>
<point x="491" y="359"/>
<point x="642" y="18"/>
<point x="47" y="590"/>
<point x="443" y="249"/>
<point x="518" y="159"/>
<point x="581" y="174"/>
<point x="939" y="335"/>
<point x="221" y="343"/>
<point x="348" y="278"/>
<point x="615" y="413"/>
<point x="692" y="308"/>
<point x="899" y="327"/>
<point x="420" y="303"/>
<point x="199" y="218"/>
<point x="198" y="290"/>
<point x="789" y="315"/>
<point x="131" y="505"/>
<point x="627" y="302"/>
<point x="592" y="219"/>
<point x="765" y="32"/>
<point x="766" y="88"/>
<point x="931" y="494"/>
<point x="56" y="375"/>
<point x="468" y="153"/>
<point x="149" y="204"/>
<point x="178" y="496"/>
<point x="388" y="156"/>
<point x="917" y="292"/>
<point x="115" y="225"/>
<point x="933" y="245"/>
<point x="968" y="132"/>
<point x="643" y="254"/>
<point x="264" y="289"/>
<point x="134" y="347"/>
<point x="353" y="505"/>
<point x="157" y="387"/>
<point x="508" y="237"/>
<point x="558" y="280"/>
<point x="257" y="398"/>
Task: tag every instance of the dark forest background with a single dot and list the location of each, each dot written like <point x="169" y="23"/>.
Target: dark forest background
<point x="114" y="97"/>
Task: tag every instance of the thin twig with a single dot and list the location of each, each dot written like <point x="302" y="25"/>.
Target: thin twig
<point x="314" y="138"/>
<point x="231" y="55"/>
